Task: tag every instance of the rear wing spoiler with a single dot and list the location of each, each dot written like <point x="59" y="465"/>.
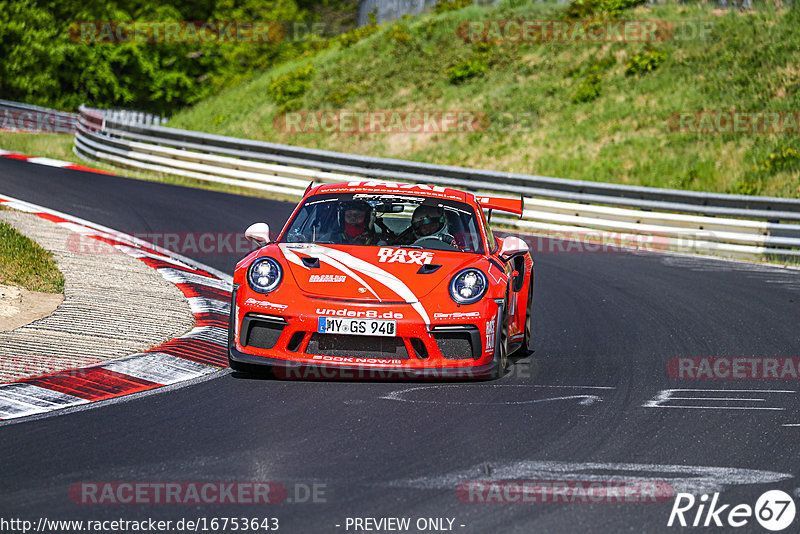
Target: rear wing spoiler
<point x="512" y="205"/>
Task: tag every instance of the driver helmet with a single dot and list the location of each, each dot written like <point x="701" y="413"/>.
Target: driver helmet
<point x="355" y="217"/>
<point x="428" y="221"/>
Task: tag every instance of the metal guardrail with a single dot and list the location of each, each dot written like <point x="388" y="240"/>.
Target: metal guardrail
<point x="15" y="116"/>
<point x="731" y="225"/>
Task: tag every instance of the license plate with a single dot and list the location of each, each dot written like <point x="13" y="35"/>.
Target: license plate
<point x="358" y="327"/>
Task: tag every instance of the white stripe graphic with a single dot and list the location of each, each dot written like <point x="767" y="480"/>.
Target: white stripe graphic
<point x="321" y="254"/>
<point x="292" y="256"/>
<point x="385" y="278"/>
<point x="373" y="271"/>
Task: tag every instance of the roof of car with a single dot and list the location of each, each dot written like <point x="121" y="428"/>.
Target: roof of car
<point x="372" y="186"/>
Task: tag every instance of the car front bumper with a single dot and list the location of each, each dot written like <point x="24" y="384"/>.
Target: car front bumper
<point x="450" y="349"/>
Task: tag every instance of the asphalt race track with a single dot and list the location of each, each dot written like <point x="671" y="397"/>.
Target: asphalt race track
<point x="588" y="405"/>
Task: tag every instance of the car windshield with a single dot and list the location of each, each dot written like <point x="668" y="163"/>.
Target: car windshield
<point x="386" y="220"/>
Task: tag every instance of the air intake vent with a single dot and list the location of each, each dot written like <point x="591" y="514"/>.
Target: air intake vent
<point x="387" y="348"/>
<point x="295" y="341"/>
<point x="459" y="342"/>
<point x="420" y="351"/>
<point x="311" y="262"/>
<point x="261" y="332"/>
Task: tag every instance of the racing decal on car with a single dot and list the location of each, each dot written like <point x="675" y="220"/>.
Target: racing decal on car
<point x="384" y="277"/>
<point x="360" y="361"/>
<point x="394" y="185"/>
<point x="392" y="255"/>
<point x="456" y="315"/>
<point x="513" y="306"/>
<point x="368" y="314"/>
<point x="265" y="304"/>
<point x="491" y="327"/>
<point x="349" y="264"/>
<point x="495" y="279"/>
<point x="327" y="278"/>
<point x="321" y="254"/>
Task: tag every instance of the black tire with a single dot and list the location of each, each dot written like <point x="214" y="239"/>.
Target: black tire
<point x="526" y="346"/>
<point x="501" y="347"/>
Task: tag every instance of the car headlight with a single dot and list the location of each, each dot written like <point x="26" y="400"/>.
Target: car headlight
<point x="468" y="286"/>
<point x="264" y="275"/>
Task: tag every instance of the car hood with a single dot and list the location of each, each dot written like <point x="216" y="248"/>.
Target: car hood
<point x="371" y="274"/>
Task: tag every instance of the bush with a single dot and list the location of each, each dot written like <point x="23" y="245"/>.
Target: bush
<point x="745" y="188"/>
<point x="356" y="34"/>
<point x="464" y="70"/>
<point x="588" y="90"/>
<point x="603" y="64"/>
<point x="286" y="90"/>
<point x="339" y="96"/>
<point x="782" y="159"/>
<point x="646" y="61"/>
<point x="398" y="34"/>
<point x="443" y="6"/>
<point x="615" y="7"/>
<point x="581" y="9"/>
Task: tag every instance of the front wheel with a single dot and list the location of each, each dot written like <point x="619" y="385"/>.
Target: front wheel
<point x="526" y="347"/>
<point x="501" y="347"/>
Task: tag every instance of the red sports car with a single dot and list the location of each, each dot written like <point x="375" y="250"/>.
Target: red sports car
<point x="372" y="279"/>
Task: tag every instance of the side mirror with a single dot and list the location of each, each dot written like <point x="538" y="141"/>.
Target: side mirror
<point x="258" y="233"/>
<point x="512" y="246"/>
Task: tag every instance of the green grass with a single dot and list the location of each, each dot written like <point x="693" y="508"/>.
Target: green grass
<point x="573" y="110"/>
<point x="25" y="263"/>
<point x="56" y="146"/>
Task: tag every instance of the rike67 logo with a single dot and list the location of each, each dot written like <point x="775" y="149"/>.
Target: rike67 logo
<point x="774" y="510"/>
